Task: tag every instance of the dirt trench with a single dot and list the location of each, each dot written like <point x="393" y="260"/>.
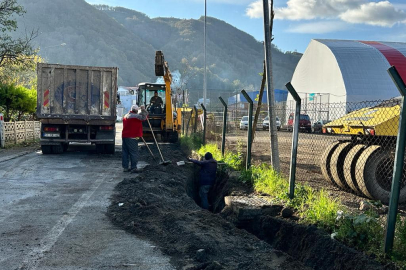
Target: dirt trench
<point x="160" y="205"/>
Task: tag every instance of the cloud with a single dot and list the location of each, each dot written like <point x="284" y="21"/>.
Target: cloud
<point x="312" y="9"/>
<point x="381" y="13"/>
<point x="321" y="27"/>
<point x="254" y="9"/>
<point x="233" y="2"/>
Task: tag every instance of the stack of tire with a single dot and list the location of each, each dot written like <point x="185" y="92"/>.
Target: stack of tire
<point x="365" y="170"/>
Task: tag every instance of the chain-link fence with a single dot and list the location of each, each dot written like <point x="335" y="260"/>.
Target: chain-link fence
<point x="345" y="148"/>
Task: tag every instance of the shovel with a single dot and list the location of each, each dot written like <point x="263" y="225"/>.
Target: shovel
<point x="149" y="149"/>
<point x="164" y="162"/>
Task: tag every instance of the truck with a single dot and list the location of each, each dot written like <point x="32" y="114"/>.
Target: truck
<point x="76" y="104"/>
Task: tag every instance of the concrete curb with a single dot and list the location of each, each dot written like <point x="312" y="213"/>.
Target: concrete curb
<point x="7" y="158"/>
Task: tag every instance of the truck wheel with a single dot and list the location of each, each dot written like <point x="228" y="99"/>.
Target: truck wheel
<point x="173" y="137"/>
<point x="350" y="167"/>
<point x="110" y="148"/>
<point x="46" y="149"/>
<point x="164" y="136"/>
<point x="375" y="176"/>
<point x="65" y="147"/>
<point x="100" y="148"/>
<point x="57" y="149"/>
<point x="337" y="164"/>
<point x="325" y="162"/>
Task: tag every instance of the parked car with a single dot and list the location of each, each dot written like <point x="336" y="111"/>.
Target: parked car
<point x="318" y="125"/>
<point x="244" y="122"/>
<point x="265" y="123"/>
<point x="304" y="122"/>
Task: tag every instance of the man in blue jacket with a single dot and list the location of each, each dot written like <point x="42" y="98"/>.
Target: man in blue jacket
<point x="207" y="177"/>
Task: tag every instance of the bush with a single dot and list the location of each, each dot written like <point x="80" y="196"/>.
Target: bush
<point x="189" y="143"/>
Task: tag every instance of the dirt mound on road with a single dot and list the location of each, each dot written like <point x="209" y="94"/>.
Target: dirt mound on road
<point x="155" y="206"/>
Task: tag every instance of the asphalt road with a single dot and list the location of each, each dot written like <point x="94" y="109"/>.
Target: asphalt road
<point x="52" y="214"/>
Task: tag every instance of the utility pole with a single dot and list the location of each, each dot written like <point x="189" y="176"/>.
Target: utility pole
<point x="270" y="91"/>
<point x="205" y="78"/>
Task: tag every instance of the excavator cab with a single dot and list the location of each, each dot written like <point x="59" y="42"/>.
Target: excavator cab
<point x="147" y="93"/>
<point x="158" y="115"/>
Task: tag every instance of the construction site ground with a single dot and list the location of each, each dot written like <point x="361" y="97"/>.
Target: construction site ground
<point x="79" y="210"/>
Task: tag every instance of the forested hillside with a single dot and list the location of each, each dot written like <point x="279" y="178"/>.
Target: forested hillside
<point x="74" y="32"/>
<point x="92" y="38"/>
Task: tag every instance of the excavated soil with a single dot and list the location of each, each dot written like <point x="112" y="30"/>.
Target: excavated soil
<point x="159" y="205"/>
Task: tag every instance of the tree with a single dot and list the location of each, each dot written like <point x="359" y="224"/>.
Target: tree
<point x="16" y="101"/>
<point x="21" y="74"/>
<point x="13" y="50"/>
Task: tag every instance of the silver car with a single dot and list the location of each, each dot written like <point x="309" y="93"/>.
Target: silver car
<point x="265" y="123"/>
<point x="244" y="122"/>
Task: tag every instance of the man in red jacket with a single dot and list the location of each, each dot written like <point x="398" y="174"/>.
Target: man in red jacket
<point x="132" y="132"/>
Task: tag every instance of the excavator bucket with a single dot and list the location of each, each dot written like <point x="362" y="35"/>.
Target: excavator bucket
<point x="159" y="63"/>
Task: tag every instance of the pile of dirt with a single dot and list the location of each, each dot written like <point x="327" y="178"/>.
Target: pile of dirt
<point x="154" y="205"/>
<point x="159" y="205"/>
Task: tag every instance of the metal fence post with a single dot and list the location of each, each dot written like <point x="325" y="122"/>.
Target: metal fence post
<point x="223" y="140"/>
<point x="188" y="122"/>
<point x="204" y="123"/>
<point x="249" y="142"/>
<point x="398" y="166"/>
<point x="195" y="126"/>
<point x="292" y="174"/>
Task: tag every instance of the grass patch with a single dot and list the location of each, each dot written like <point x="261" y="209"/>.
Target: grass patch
<point x="232" y="160"/>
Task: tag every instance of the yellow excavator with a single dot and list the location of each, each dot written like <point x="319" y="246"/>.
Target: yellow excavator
<point x="364" y="162"/>
<point x="165" y="119"/>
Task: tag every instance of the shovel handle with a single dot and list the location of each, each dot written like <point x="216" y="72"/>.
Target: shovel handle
<point x="148" y="148"/>
<point x="153" y="135"/>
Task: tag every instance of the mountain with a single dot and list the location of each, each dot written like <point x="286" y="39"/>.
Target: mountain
<point x="113" y="36"/>
<point x="92" y="38"/>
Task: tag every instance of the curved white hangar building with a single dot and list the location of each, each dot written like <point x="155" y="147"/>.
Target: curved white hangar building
<point x="332" y="71"/>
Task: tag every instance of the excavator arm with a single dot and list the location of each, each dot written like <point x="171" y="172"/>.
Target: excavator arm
<point x="162" y="69"/>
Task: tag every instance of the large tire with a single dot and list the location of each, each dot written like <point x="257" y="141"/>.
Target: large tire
<point x="46" y="149"/>
<point x="325" y="162"/>
<point x="110" y="148"/>
<point x="100" y="148"/>
<point x="375" y="167"/>
<point x="65" y="147"/>
<point x="350" y="167"/>
<point x="164" y="136"/>
<point x="337" y="164"/>
<point x="57" y="149"/>
<point x="173" y="137"/>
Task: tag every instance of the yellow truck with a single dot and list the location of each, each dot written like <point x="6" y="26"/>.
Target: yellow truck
<point x="364" y="161"/>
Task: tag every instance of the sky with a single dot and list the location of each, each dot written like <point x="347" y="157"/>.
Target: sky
<point x="296" y="22"/>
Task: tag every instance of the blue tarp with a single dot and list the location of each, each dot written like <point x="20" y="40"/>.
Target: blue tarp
<point x="280" y="96"/>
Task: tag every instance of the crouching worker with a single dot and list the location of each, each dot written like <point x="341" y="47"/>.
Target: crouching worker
<point x="207" y="177"/>
<point x="132" y="132"/>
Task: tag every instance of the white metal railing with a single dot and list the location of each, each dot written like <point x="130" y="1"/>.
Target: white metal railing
<point x="17" y="132"/>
